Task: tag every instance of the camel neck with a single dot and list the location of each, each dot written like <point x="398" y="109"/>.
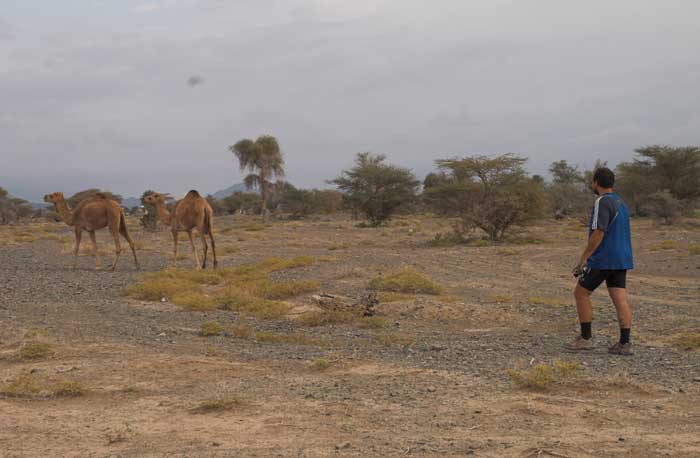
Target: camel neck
<point x="163" y="213"/>
<point x="62" y="208"/>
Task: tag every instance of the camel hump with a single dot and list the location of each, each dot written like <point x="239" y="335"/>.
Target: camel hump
<point x="192" y="193"/>
<point x="100" y="195"/>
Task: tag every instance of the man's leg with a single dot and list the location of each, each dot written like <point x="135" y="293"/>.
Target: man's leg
<point x="584" y="309"/>
<point x="624" y="318"/>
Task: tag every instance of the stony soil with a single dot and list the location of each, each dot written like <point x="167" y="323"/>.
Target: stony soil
<point x="447" y="393"/>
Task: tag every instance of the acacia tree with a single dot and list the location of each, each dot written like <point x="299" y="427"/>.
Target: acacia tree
<point x="263" y="159"/>
<point x="376" y="188"/>
<point x="492" y="194"/>
<point x="12" y="208"/>
<point x="568" y="192"/>
<point x="661" y="168"/>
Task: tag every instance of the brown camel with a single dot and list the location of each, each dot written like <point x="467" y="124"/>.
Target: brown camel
<point x="189" y="213"/>
<point x="92" y="214"/>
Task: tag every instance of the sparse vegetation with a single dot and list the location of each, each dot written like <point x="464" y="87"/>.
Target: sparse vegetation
<point x="35" y="350"/>
<point x="26" y="385"/>
<point x="542" y="376"/>
<point x="327" y="317"/>
<point x="319" y="364"/>
<point x="687" y="341"/>
<point x="395" y="340"/>
<point x="219" y="404"/>
<point x="664" y="245"/>
<point x="210" y="328"/>
<point x="406" y="281"/>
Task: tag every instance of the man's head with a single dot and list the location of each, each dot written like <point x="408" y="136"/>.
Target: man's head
<point x="603" y="180"/>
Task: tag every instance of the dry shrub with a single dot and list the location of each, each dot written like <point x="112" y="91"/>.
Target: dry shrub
<point x="246" y="289"/>
<point x="28" y="386"/>
<point x="210" y="328"/>
<point x="664" y="245"/>
<point x="372" y="322"/>
<point x="405" y="281"/>
<point x="388" y="296"/>
<point x="687" y="341"/>
<point x="542" y="376"/>
<point x="284" y="290"/>
<point x="194" y="300"/>
<point x="35" y="350"/>
<point x="219" y="404"/>
<point x="501" y="298"/>
<point x="694" y="249"/>
<point x="319" y="364"/>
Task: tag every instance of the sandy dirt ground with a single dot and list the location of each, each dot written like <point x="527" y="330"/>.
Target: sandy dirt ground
<point x="128" y="378"/>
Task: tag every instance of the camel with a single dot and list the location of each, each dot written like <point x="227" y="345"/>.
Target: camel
<point x="189" y="213"/>
<point x="92" y="214"/>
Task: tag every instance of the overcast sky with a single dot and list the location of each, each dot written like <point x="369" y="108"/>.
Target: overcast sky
<point x="95" y="93"/>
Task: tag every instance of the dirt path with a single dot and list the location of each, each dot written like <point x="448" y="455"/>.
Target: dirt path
<point x="145" y="369"/>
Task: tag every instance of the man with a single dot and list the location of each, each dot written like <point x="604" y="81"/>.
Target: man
<point x="607" y="257"/>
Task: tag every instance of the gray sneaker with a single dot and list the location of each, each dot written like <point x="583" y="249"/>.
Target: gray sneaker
<point x="621" y="349"/>
<point x="579" y="344"/>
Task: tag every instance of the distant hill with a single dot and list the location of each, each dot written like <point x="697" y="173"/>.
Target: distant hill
<point x="239" y="187"/>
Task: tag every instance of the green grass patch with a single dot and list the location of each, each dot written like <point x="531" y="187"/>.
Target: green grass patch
<point x="195" y="301"/>
<point x="405" y="281"/>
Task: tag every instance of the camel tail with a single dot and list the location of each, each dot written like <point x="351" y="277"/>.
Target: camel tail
<point x="208" y="223"/>
<point x="125" y="233"/>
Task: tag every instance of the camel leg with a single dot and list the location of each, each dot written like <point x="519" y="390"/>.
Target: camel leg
<point x="213" y="248"/>
<point x="78" y="237"/>
<point x="125" y="233"/>
<point x="94" y="247"/>
<point x="205" y="248"/>
<point x="175" y="237"/>
<point x="194" y="250"/>
<point x="114" y="229"/>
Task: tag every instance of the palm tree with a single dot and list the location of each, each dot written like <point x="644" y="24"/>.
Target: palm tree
<point x="263" y="159"/>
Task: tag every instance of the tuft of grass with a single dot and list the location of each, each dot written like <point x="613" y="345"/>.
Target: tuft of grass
<point x="405" y="281"/>
<point x="501" y="298"/>
<point x="327" y="317"/>
<point x="28" y="386"/>
<point x="664" y="245"/>
<point x="292" y="288"/>
<point x="542" y="376"/>
<point x="319" y="364"/>
<point x="35" y="350"/>
<point x="694" y="249"/>
<point x="254" y="228"/>
<point x="372" y="322"/>
<point x="210" y="328"/>
<point x="687" y="341"/>
<point x="229" y="249"/>
<point x="153" y="289"/>
<point x="507" y="252"/>
<point x="35" y="333"/>
<point x="194" y="300"/>
<point x="219" y="404"/>
<point x="479" y="243"/>
<point x="389" y="296"/>
<point x="395" y="340"/>
<point x="242" y="301"/>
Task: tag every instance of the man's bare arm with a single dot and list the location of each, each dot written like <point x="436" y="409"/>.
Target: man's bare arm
<point x="593" y="242"/>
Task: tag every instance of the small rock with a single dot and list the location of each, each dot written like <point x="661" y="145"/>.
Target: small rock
<point x="696" y="379"/>
<point x="432" y="389"/>
<point x="342" y="446"/>
<point x="162" y="334"/>
<point x="216" y="444"/>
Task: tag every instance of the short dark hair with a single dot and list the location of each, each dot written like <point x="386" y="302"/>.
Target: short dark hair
<point x="604" y="177"/>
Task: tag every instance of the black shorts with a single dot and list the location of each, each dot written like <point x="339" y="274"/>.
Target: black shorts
<point x="592" y="278"/>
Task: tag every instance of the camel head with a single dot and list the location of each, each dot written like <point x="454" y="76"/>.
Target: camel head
<point x="54" y="197"/>
<point x="155" y="199"/>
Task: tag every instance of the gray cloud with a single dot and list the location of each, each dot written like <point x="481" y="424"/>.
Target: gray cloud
<point x="98" y="97"/>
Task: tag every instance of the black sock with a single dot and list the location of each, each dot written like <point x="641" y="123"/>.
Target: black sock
<point x="624" y="335"/>
<point x="586" y="331"/>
